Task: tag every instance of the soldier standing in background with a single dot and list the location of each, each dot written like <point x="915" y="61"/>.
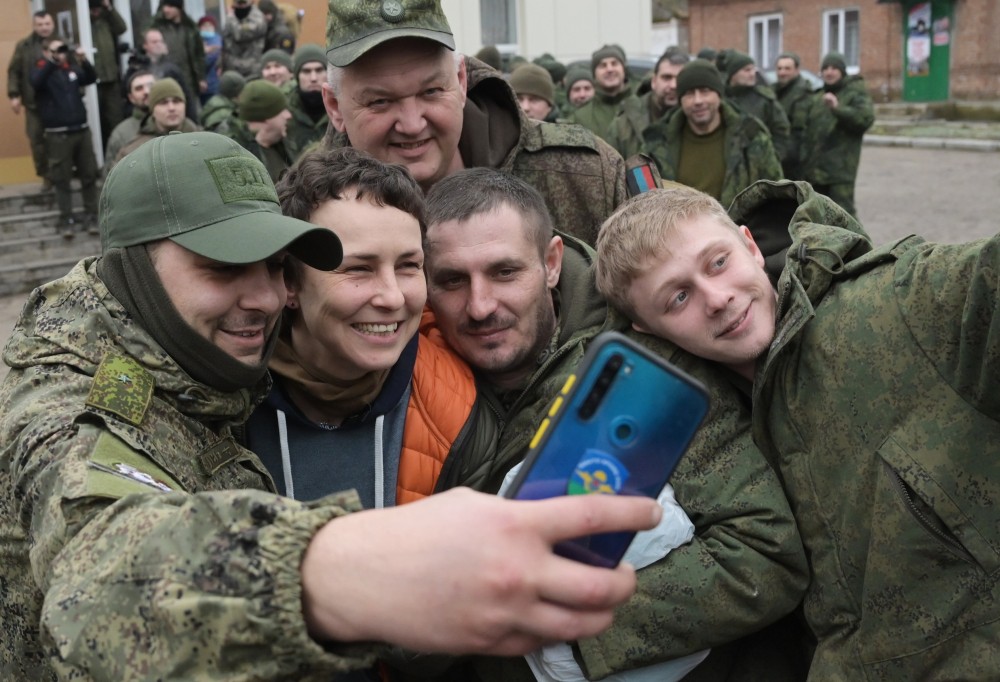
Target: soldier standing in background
<point x="186" y="50"/>
<point x="22" y="95"/>
<point x="309" y="119"/>
<point x="743" y="90"/>
<point x="243" y="37"/>
<point x="838" y="117"/>
<point x="106" y="24"/>
<point x="609" y="68"/>
<point x="640" y="113"/>
<point x="279" y="35"/>
<point x="793" y="93"/>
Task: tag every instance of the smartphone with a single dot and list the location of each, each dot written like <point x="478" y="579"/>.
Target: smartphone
<point x="618" y="427"/>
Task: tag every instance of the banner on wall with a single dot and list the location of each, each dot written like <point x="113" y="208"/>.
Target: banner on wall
<point x="918" y="40"/>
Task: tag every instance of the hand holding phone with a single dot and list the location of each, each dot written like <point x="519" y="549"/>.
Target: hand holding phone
<point x="619" y="427"/>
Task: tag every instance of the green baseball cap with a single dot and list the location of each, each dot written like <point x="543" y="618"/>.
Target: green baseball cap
<point x="355" y="26"/>
<point x="208" y="194"/>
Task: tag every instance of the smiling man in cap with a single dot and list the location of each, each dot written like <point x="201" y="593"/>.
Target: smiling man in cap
<point x="401" y="93"/>
<point x="137" y="535"/>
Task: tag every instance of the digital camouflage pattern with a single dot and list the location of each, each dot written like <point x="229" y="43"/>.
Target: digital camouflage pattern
<point x="580" y="176"/>
<point x="243" y="43"/>
<point x="217" y="114"/>
<point x="200" y="583"/>
<point x="794" y="97"/>
<point x="878" y="404"/>
<point x="831" y="140"/>
<point x="760" y="101"/>
<point x="745" y="567"/>
<point x="750" y="156"/>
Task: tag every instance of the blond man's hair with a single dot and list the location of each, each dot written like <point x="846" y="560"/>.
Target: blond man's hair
<point x="637" y="232"/>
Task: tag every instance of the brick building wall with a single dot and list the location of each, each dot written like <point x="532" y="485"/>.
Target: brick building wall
<point x="975" y="54"/>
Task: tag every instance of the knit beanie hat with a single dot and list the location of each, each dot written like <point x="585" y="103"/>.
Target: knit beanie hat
<point x="179" y="4"/>
<point x="578" y="73"/>
<point x="310" y="52"/>
<point x="709" y="53"/>
<point x="490" y="55"/>
<point x="531" y="79"/>
<point x="699" y="73"/>
<point x="231" y="84"/>
<point x="609" y="50"/>
<point x="736" y="61"/>
<point x="260" y="100"/>
<point x="836" y="60"/>
<point x="276" y="55"/>
<point x="164" y="88"/>
<point x="267" y="6"/>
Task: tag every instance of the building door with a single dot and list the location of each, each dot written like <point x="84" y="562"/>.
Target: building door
<point x="927" y="35"/>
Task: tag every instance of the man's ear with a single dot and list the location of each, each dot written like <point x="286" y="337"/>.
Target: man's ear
<point x="463" y="79"/>
<point x="332" y="105"/>
<point x="752" y="245"/>
<point x="553" y="261"/>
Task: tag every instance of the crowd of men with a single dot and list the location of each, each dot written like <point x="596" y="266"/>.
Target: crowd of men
<point x="240" y="443"/>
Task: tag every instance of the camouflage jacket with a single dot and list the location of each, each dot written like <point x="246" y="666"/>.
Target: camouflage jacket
<point x="625" y="132"/>
<point x="581" y="177"/>
<point x="831" y="141"/>
<point x="124" y="133"/>
<point x="759" y="101"/>
<point x="243" y="43"/>
<point x="279" y="36"/>
<point x="745" y="567"/>
<point x="27" y="52"/>
<point x="794" y="98"/>
<point x="597" y="114"/>
<point x="878" y="404"/>
<point x="302" y="131"/>
<point x="135" y="535"/>
<point x="750" y="156"/>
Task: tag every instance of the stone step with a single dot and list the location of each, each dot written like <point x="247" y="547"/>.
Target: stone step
<point x="48" y="247"/>
<point x="22" y="278"/>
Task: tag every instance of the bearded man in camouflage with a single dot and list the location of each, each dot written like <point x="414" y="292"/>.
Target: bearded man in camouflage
<point x="137" y="536"/>
<point x="399" y="92"/>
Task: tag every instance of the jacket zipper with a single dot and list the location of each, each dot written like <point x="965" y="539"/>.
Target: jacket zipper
<point x="946" y="539"/>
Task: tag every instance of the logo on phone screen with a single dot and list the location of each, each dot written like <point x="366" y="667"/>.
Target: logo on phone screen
<point x="597" y="473"/>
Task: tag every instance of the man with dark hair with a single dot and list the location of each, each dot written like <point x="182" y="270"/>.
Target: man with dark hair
<point x="138" y="87"/>
<point x="398" y="91"/>
<point x="518" y="302"/>
<point x="160" y="64"/>
<point x="106" y="24"/>
<point x="138" y="536"/>
<point x="837" y="118"/>
<point x="708" y="143"/>
<point x="186" y="49"/>
<point x="166" y="115"/>
<point x="637" y="114"/>
<point x="58" y="81"/>
<point x="27" y="52"/>
<point x="793" y="93"/>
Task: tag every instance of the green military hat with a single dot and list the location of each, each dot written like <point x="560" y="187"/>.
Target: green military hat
<point x="310" y="52"/>
<point x="699" y="73"/>
<point x="276" y="55"/>
<point x="836" y="60"/>
<point x="355" y="26"/>
<point x="532" y="79"/>
<point x="490" y="55"/>
<point x="578" y="73"/>
<point x="231" y="84"/>
<point x="207" y="193"/>
<point x="736" y="61"/>
<point x="261" y="100"/>
<point x="610" y="50"/>
<point x="164" y="88"/>
<point x="555" y="68"/>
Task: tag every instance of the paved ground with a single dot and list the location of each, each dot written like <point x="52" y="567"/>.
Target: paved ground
<point x="944" y="195"/>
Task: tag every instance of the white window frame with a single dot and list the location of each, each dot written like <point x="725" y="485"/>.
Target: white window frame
<point x="759" y="52"/>
<point x="509" y="48"/>
<point x="841" y="14"/>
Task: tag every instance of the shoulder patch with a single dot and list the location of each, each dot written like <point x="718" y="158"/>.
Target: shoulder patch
<point x="122" y="387"/>
<point x="116" y="470"/>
